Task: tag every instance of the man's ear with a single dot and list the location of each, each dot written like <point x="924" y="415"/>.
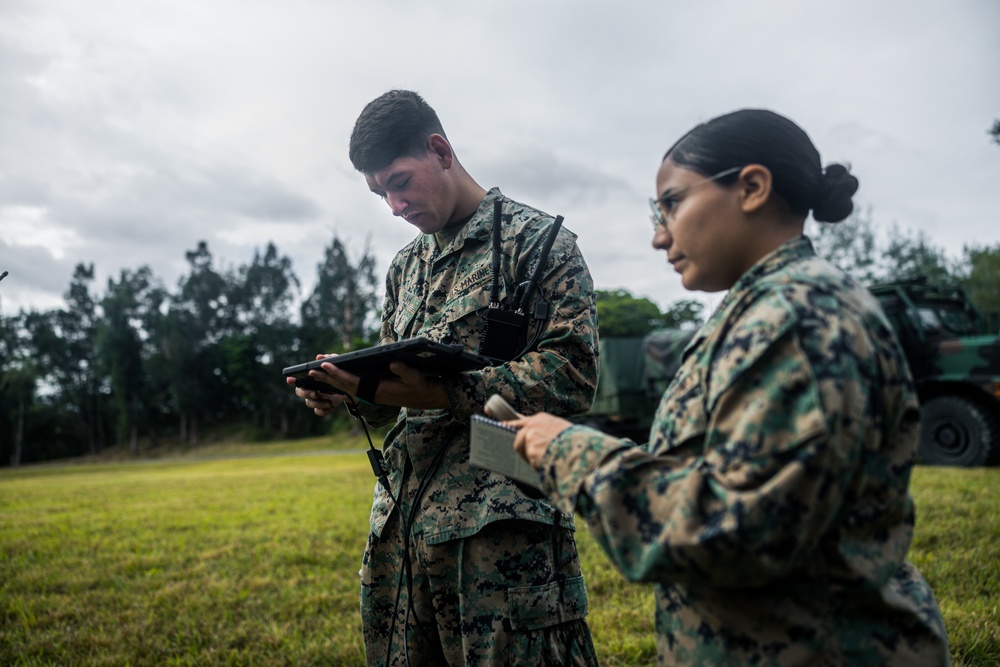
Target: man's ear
<point x="755" y="187"/>
<point x="439" y="146"/>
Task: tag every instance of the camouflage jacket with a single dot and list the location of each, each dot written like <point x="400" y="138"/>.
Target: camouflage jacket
<point x="771" y="505"/>
<point x="442" y="294"/>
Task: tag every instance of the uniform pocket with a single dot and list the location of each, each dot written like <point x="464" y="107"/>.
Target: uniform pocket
<point x="548" y="625"/>
<point x="462" y="322"/>
<point x="402" y="320"/>
<point x="681" y="416"/>
<point x="538" y="607"/>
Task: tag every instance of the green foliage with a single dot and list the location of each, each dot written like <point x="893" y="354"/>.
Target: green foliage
<point x="621" y="314"/>
<point x="684" y="314"/>
<point x="337" y="316"/>
<point x="910" y="255"/>
<point x="849" y="245"/>
<point x="254" y="562"/>
<point x="139" y="363"/>
<point x="982" y="279"/>
<point x="852" y="245"/>
<point x="142" y="363"/>
<point x="120" y="352"/>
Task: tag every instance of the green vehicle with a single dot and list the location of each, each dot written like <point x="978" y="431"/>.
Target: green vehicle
<point x="954" y="356"/>
<point x="634" y="373"/>
<point x="953" y="353"/>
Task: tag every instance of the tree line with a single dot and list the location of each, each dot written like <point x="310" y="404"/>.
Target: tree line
<point x="137" y="362"/>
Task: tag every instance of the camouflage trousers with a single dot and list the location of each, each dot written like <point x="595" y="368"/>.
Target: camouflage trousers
<point x="511" y="594"/>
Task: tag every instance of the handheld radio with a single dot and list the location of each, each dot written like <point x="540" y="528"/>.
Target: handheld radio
<point x="506" y="328"/>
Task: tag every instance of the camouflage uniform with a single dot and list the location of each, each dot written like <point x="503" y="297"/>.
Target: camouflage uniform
<point x="771" y="505"/>
<point x="495" y="574"/>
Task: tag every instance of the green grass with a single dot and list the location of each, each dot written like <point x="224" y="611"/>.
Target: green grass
<point x="253" y="561"/>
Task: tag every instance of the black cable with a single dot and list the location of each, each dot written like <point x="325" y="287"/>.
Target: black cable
<point x="377" y="461"/>
<point x="495" y="287"/>
<point x="546" y="249"/>
<point x="374" y="455"/>
<point x="407" y="566"/>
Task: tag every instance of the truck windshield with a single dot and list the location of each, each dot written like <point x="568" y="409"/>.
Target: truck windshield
<point x="945" y="320"/>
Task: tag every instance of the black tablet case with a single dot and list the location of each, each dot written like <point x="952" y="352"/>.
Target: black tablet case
<point x="430" y="357"/>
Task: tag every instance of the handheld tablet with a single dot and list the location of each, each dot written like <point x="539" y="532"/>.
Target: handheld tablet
<point x="428" y="356"/>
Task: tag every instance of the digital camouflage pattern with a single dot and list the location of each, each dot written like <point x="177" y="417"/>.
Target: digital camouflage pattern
<point x="442" y="295"/>
<point x="771" y="505"/>
<point x="510" y="595"/>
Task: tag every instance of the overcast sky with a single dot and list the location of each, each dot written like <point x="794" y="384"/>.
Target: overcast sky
<point x="131" y="130"/>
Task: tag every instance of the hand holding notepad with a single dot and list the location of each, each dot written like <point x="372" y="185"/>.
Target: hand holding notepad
<point x="492" y="444"/>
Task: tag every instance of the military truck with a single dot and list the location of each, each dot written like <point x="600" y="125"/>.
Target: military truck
<point x="955" y="360"/>
<point x="953" y="354"/>
<point x="634" y="373"/>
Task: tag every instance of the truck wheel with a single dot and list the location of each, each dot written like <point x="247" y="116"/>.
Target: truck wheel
<point x="956" y="431"/>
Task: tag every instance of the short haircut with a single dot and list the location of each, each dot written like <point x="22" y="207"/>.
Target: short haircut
<point x="393" y="125"/>
<point x="759" y="136"/>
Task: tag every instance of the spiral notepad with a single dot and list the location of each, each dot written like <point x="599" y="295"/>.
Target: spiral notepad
<point x="492" y="447"/>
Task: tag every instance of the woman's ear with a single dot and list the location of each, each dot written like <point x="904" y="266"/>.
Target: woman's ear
<point x="755" y="187"/>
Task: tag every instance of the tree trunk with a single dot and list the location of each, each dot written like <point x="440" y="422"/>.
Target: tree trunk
<point x="15" y="459"/>
<point x="94" y="431"/>
<point x="133" y="441"/>
<point x="133" y="444"/>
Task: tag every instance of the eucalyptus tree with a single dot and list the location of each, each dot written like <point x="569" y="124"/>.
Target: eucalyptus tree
<point x="18" y="384"/>
<point x="122" y="351"/>
<point x="63" y="341"/>
<point x="851" y="245"/>
<point x="198" y="318"/>
<point x="981" y="278"/>
<point x="909" y="254"/>
<point x="340" y="312"/>
<point x="262" y="295"/>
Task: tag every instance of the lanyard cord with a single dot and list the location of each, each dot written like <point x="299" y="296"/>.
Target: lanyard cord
<point x="374" y="455"/>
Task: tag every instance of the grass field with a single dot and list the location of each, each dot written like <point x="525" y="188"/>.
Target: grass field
<point x="201" y="561"/>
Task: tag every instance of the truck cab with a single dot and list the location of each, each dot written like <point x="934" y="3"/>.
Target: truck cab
<point x="955" y="361"/>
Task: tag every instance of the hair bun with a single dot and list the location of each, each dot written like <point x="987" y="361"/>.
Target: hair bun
<point x="833" y="199"/>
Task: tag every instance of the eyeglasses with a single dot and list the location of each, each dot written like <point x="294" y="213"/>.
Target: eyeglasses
<point x="664" y="208"/>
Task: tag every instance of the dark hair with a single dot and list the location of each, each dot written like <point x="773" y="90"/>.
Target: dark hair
<point x="394" y="124"/>
<point x="758" y="136"/>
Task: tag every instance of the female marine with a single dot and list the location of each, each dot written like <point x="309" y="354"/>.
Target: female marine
<point x="771" y="506"/>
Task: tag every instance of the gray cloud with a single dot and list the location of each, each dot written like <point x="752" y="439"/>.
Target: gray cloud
<point x="127" y="135"/>
<point x="538" y="174"/>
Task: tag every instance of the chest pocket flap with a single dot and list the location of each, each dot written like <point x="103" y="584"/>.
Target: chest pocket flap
<point x="403" y="319"/>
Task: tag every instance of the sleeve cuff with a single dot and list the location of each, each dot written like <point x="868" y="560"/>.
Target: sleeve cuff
<point x="570" y="459"/>
<point x="466" y="394"/>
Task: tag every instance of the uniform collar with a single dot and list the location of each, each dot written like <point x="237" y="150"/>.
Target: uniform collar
<point x="777" y="260"/>
<point x="479" y="228"/>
